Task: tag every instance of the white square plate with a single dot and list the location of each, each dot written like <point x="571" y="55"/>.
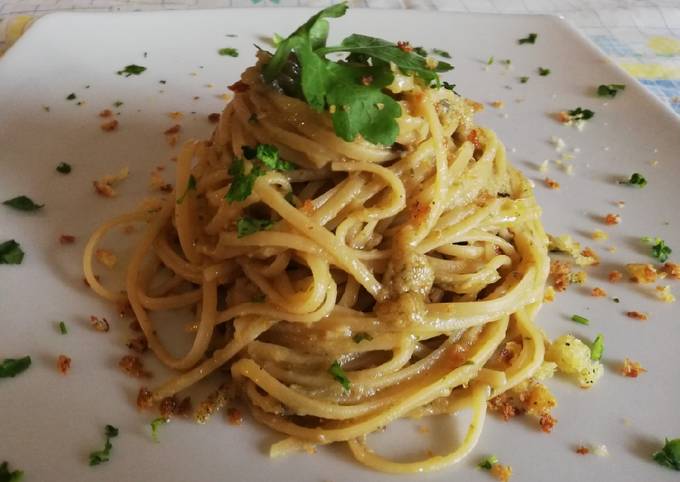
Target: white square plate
<point x="49" y="423"/>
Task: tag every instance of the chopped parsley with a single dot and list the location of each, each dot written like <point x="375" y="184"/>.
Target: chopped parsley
<point x="154" y="427"/>
<point x="64" y="168"/>
<point x="597" y="348"/>
<point x="609" y="90"/>
<point x="269" y="155"/>
<point x="11" y="252"/>
<point x="228" y="51"/>
<point x="542" y="71"/>
<point x="636" y="179"/>
<point x="118" y="103"/>
<point x="616" y="300"/>
<point x="580" y="319"/>
<point x="101" y="456"/>
<point x="580" y="114"/>
<point x="62" y="328"/>
<point x="361" y="336"/>
<point x="71" y="96"/>
<point x="247" y="225"/>
<point x="488" y="462"/>
<point x="506" y="61"/>
<point x="11" y="367"/>
<point x="490" y="61"/>
<point x="339" y="375"/>
<point x="191" y="186"/>
<point x="523" y="80"/>
<point x="23" y="203"/>
<point x="529" y="39"/>
<point x="242" y="183"/>
<point x="351" y="90"/>
<point x="7" y="476"/>
<point x="669" y="455"/>
<point x="131" y="69"/>
<point x="660" y="250"/>
<point x="451" y="87"/>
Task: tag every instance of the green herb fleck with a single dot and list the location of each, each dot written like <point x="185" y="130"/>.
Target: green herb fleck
<point x="441" y="53"/>
<point x="506" y="62"/>
<point x="154" y="427"/>
<point x="361" y="336"/>
<point x="11" y="367"/>
<point x="580" y="319"/>
<point x="529" y="39"/>
<point x="523" y="80"/>
<point x="71" y="96"/>
<point x="616" y="300"/>
<point x="660" y="250"/>
<point x="64" y="168"/>
<point x="62" y="328"/>
<point x="228" y="51"/>
<point x="420" y="51"/>
<point x="101" y="456"/>
<point x="636" y="179"/>
<point x="247" y="225"/>
<point x="669" y="455"/>
<point x="11" y="252"/>
<point x="269" y="155"/>
<point x="543" y="71"/>
<point x="597" y="348"/>
<point x="339" y="374"/>
<point x="191" y="186"/>
<point x="131" y="69"/>
<point x="7" y="476"/>
<point x="451" y="87"/>
<point x="609" y="90"/>
<point x="581" y="114"/>
<point x="241" y="183"/>
<point x="488" y="462"/>
<point x="22" y="203"/>
<point x="118" y="103"/>
<point x="490" y="61"/>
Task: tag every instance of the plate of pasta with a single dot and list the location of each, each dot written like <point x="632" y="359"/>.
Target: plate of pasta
<point x="287" y="244"/>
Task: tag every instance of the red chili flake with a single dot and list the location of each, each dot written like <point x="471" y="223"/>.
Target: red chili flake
<point x="214" y="117"/>
<point x="67" y="239"/>
<point x="636" y="315"/>
<point x="239" y="87"/>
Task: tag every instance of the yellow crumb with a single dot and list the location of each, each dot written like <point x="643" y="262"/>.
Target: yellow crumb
<point x="175" y="115"/>
<point x="599" y="235"/>
<point x="642" y="273"/>
<point x="106" y="257"/>
<point x="611" y="219"/>
<point x="549" y="294"/>
<point x="578" y="278"/>
<point x="664" y="294"/>
<point x="551" y="183"/>
<point x="572" y="357"/>
<point x="631" y="368"/>
<point x="497" y="104"/>
<point x="501" y="472"/>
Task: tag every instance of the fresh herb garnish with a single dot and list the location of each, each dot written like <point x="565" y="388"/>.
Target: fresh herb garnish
<point x="7" y="476"/>
<point x="131" y="69"/>
<point x="529" y="39"/>
<point x="580" y="114"/>
<point x="62" y="328"/>
<point x="191" y="186"/>
<point x="451" y="87"/>
<point x="118" y="103"/>
<point x="490" y="61"/>
<point x="23" y="203"/>
<point x="636" y="179"/>
<point x="616" y="300"/>
<point x="488" y="462"/>
<point x="669" y="454"/>
<point x="543" y="71"/>
<point x="64" y="168"/>
<point x="228" y="51"/>
<point x="241" y="183"/>
<point x="597" y="347"/>
<point x="339" y="374"/>
<point x="609" y="90"/>
<point x="154" y="427"/>
<point x="660" y="250"/>
<point x="269" y="155"/>
<point x="351" y="90"/>
<point x="247" y="225"/>
<point x="101" y="456"/>
<point x="361" y="336"/>
<point x="580" y="319"/>
<point x="523" y="80"/>
<point x="11" y="367"/>
<point x="11" y="252"/>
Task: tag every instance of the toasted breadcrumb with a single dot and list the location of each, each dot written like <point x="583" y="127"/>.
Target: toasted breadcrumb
<point x="99" y="324"/>
<point x="67" y="239"/>
<point x="551" y="183"/>
<point x="547" y="422"/>
<point x="63" y="364"/>
<point x="530" y="397"/>
<point x="167" y="407"/>
<point x="611" y="219"/>
<point x="599" y="235"/>
<point x="615" y="276"/>
<point x="563" y="117"/>
<point x="572" y="357"/>
<point x="598" y="292"/>
<point x="175" y="115"/>
<point x="213" y="403"/>
<point x="664" y="294"/>
<point x="234" y="416"/>
<point x="501" y="472"/>
<point x="133" y="366"/>
<point x="631" y="368"/>
<point x="636" y="315"/>
<point x="109" y="126"/>
<point x="600" y="450"/>
<point x="172" y="134"/>
<point x="144" y="398"/>
<point x="549" y="294"/>
<point x="106" y="257"/>
<point x="672" y="270"/>
<point x="642" y="273"/>
<point x="138" y="345"/>
<point x="104" y="186"/>
<point x="578" y="278"/>
<point x="560" y="272"/>
<point x="476" y="106"/>
<point x="105" y="113"/>
<point x="214" y="118"/>
<point x="582" y="450"/>
<point x="308" y="207"/>
<point x="497" y="104"/>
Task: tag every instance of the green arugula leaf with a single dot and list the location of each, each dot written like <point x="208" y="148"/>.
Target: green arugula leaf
<point x="228" y="51"/>
<point x="488" y="462"/>
<point x="242" y="183"/>
<point x="155" y="424"/>
<point x="636" y="179"/>
<point x="669" y="455"/>
<point x="597" y="348"/>
<point x="11" y="252"/>
<point x="529" y="39"/>
<point x="101" y="456"/>
<point x="64" y="168"/>
<point x="11" y="367"/>
<point x="7" y="476"/>
<point x="23" y="203"/>
<point x="131" y="69"/>
<point x="339" y="374"/>
<point x="247" y="225"/>
<point x="609" y="90"/>
<point x="191" y="186"/>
